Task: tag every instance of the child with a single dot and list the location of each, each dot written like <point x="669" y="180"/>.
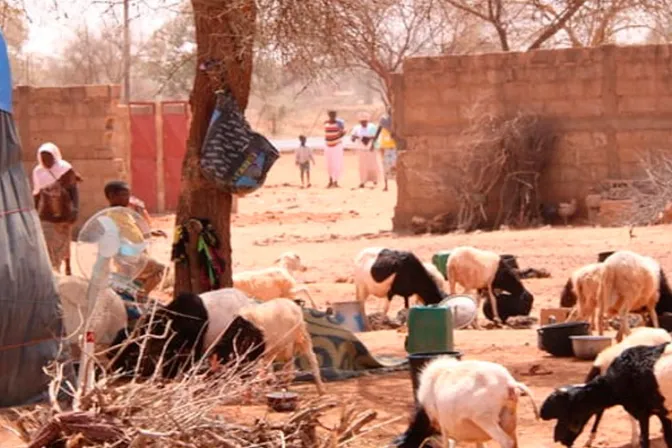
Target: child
<point x="118" y="194"/>
<point x="304" y="155"/>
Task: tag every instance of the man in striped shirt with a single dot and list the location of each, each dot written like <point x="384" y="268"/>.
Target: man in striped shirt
<point x="334" y="130"/>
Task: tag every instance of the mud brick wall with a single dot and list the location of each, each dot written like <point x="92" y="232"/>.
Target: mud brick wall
<point x="609" y="105"/>
<point x="88" y="126"/>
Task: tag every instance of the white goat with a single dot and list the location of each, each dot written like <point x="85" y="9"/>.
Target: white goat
<point x="639" y="336"/>
<point x="365" y="285"/>
<point x="629" y="282"/>
<point x="274" y="282"/>
<point x="285" y="334"/>
<point x="467" y="401"/>
<point x="108" y="317"/>
<point x="474" y="269"/>
<point x="582" y="290"/>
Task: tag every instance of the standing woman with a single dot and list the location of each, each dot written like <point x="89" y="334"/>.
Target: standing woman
<point x="57" y="202"/>
<point x="364" y="134"/>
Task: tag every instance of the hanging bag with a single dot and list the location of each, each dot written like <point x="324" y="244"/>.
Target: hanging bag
<point x="55" y="203"/>
<point x="234" y="157"/>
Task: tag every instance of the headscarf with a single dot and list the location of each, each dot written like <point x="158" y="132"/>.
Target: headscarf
<point x="43" y="176"/>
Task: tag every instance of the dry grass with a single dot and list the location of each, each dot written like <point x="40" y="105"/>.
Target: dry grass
<point x="180" y="413"/>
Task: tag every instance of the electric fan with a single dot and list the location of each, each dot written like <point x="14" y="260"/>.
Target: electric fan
<point x="111" y="250"/>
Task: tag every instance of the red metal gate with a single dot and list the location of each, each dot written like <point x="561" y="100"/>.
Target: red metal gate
<point x="175" y="131"/>
<point x="144" y="154"/>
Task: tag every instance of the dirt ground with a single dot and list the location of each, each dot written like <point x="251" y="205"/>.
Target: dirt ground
<point x="327" y="227"/>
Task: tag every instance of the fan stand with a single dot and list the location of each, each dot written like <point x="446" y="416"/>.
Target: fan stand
<point x="86" y="377"/>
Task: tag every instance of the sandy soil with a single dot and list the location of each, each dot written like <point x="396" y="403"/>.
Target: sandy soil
<point x="328" y="227"/>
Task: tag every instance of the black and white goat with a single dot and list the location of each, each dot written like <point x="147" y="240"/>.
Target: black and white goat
<point x="387" y="273"/>
<point x="273" y="330"/>
<point x="197" y="322"/>
<point x="639" y="336"/>
<point x="639" y="379"/>
<point x="477" y="269"/>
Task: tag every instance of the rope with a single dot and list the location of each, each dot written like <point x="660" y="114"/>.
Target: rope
<point x="25" y="344"/>
<point x="11" y="212"/>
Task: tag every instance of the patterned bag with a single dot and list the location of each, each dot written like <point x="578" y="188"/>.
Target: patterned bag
<point x="234" y="157"/>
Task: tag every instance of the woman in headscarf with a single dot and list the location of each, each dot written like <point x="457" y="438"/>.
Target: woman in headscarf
<point x="57" y="202"/>
<point x="384" y="141"/>
<point x="363" y="134"/>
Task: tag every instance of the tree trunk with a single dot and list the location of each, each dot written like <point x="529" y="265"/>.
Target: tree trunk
<point x="224" y="33"/>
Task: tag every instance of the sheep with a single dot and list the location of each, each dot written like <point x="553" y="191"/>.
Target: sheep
<point x="385" y="273"/>
<point x="197" y="322"/>
<point x="475" y="269"/>
<point x="629" y="282"/>
<point x="580" y="292"/>
<point x="272" y="330"/>
<point x="466" y="401"/>
<point x="290" y="261"/>
<point x="639" y="379"/>
<point x="639" y="336"/>
<point x="108" y="318"/>
<point x="269" y="283"/>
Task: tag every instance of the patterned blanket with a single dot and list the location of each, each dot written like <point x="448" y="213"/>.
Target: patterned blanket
<point x="340" y="353"/>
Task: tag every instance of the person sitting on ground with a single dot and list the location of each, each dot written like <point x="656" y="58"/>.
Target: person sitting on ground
<point x="304" y="155"/>
<point x="118" y="194"/>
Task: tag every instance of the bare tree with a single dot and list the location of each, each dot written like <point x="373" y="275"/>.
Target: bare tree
<point x="531" y="24"/>
<point x="169" y="55"/>
<point x="377" y="36"/>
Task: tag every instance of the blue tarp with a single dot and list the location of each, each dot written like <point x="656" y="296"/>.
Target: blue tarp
<point x="30" y="319"/>
<point x="5" y="78"/>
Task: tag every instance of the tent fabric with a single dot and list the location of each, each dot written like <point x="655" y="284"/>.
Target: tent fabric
<point x="30" y="313"/>
<point x="5" y="78"/>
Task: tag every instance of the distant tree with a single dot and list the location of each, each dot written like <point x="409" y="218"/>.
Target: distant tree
<point x="169" y="55"/>
<point x="378" y="36"/>
<point x="532" y="24"/>
<point x="13" y="23"/>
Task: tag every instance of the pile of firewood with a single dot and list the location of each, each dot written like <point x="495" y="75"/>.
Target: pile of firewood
<point x="183" y="413"/>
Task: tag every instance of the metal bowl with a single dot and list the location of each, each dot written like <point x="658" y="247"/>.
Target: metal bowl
<point x="588" y="347"/>
<point x="282" y="401"/>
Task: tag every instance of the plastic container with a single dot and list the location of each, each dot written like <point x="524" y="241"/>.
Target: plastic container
<point x="555" y="338"/>
<point x="430" y="329"/>
<point x="417" y="361"/>
<point x="440" y="260"/>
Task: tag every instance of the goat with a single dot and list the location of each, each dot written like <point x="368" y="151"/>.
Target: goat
<point x="385" y="273"/>
<point x="639" y="379"/>
<point x="466" y="401"/>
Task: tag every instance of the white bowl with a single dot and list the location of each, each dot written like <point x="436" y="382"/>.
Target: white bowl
<point x="462" y="307"/>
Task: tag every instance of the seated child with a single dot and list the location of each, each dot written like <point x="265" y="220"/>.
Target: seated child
<point x="118" y="194"/>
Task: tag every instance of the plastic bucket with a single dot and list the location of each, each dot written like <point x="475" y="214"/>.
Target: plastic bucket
<point x="417" y="361"/>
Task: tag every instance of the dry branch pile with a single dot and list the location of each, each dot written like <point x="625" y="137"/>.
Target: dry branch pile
<point x="183" y="413"/>
<point x="509" y="153"/>
<point x="651" y="195"/>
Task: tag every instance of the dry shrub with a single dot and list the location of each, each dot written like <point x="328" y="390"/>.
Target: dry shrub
<point x="183" y="413"/>
<point x="507" y="151"/>
<point x="651" y="194"/>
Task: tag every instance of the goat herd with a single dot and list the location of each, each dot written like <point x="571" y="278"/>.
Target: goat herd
<point x="465" y="401"/>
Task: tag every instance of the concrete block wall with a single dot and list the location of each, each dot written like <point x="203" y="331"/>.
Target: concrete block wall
<point x="609" y="104"/>
<point x="87" y="125"/>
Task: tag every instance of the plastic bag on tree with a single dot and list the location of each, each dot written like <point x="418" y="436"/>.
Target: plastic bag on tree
<point x="234" y="157"/>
